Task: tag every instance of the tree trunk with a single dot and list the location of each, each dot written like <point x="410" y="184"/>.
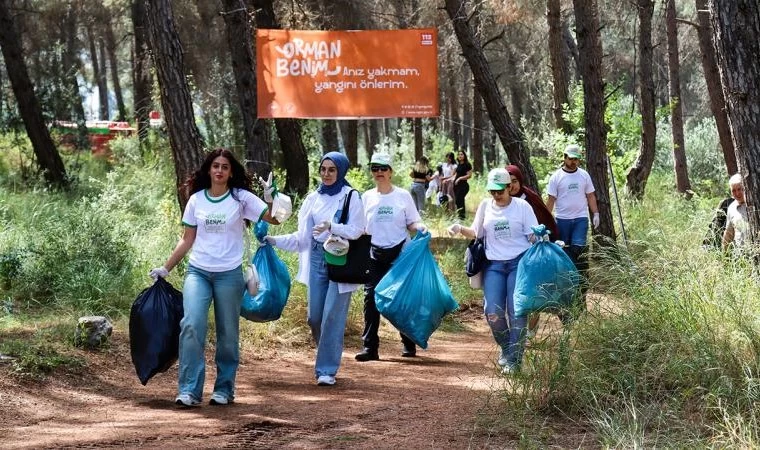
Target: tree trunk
<point x="587" y="30"/>
<point x="676" y="112"/>
<point x="113" y="61"/>
<point x="105" y="107"/>
<point x="509" y="134"/>
<point x="714" y="87"/>
<point x="367" y="143"/>
<point x="571" y="49"/>
<point x="559" y="65"/>
<point x="141" y="77"/>
<point x="466" y="112"/>
<point x="638" y="174"/>
<point x="736" y="32"/>
<point x="455" y="129"/>
<point x="418" y="140"/>
<point x="296" y="159"/>
<point x="478" y="124"/>
<point x="374" y="135"/>
<point x="71" y="67"/>
<point x="349" y="130"/>
<point x="243" y="59"/>
<point x="29" y="107"/>
<point x="184" y="137"/>
<point x="330" y="136"/>
<point x="98" y="68"/>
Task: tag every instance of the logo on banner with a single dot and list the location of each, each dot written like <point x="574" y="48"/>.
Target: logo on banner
<point x="426" y="38"/>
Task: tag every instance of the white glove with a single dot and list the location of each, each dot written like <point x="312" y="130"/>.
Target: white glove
<point x="270" y="188"/>
<point x="321" y="228"/>
<point x="158" y="272"/>
<point x="453" y="230"/>
<point x="421" y="228"/>
<point x="595" y="220"/>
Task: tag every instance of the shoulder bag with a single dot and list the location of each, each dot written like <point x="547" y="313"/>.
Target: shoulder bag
<point x="356" y="269"/>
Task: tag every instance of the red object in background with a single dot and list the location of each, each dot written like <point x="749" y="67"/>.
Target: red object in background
<point x="154" y="115"/>
<point x="99" y="133"/>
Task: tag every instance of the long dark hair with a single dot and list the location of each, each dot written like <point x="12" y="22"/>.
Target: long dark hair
<point x="239" y="178"/>
<point x="465" y="156"/>
<point x="451" y="158"/>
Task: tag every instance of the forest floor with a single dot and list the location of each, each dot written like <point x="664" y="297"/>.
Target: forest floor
<point x="446" y="397"/>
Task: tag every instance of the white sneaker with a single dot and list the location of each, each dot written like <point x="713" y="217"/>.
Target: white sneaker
<point x="219" y="399"/>
<point x="186" y="400"/>
<point x="510" y="369"/>
<point x="325" y="380"/>
<point x="503" y="361"/>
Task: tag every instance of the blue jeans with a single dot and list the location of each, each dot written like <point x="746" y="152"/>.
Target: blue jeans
<point x="498" y="290"/>
<point x="327" y="314"/>
<point x="418" y="195"/>
<point x="573" y="231"/>
<point x="226" y="289"/>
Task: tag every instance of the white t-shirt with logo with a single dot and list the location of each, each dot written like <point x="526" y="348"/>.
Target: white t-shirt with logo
<point x="218" y="245"/>
<point x="570" y="189"/>
<point x="388" y="215"/>
<point x="506" y="228"/>
<point x="448" y="169"/>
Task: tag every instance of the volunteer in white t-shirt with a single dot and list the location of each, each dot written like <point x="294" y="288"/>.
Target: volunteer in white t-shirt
<point x="391" y="214"/>
<point x="571" y="195"/>
<point x="505" y="224"/>
<point x="318" y="223"/>
<point x="215" y="220"/>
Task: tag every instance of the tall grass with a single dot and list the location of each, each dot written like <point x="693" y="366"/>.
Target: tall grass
<point x="670" y="354"/>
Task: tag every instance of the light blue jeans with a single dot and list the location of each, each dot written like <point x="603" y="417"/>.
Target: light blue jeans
<point x="499" y="308"/>
<point x="418" y="194"/>
<point x="226" y="290"/>
<point x="327" y="314"/>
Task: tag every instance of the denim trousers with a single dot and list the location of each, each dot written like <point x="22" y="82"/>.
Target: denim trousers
<point x="573" y="231"/>
<point x="499" y="308"/>
<point x="328" y="310"/>
<point x="418" y="195"/>
<point x="226" y="290"/>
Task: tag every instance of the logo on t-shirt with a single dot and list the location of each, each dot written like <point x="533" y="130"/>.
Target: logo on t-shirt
<point x="215" y="223"/>
<point x="502" y="230"/>
<point x="573" y="188"/>
<point x="385" y="214"/>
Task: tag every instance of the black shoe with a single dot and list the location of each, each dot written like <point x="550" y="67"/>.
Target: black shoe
<point x="367" y="355"/>
<point x="409" y="352"/>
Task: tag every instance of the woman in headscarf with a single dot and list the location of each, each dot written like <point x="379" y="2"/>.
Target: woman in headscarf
<point x="544" y="216"/>
<point x="328" y="301"/>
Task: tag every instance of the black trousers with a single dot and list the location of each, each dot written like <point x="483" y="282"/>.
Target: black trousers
<point x="460" y="192"/>
<point x="381" y="260"/>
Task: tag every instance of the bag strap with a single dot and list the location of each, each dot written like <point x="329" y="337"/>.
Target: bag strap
<point x="346" y="203"/>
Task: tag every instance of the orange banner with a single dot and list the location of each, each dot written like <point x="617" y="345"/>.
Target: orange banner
<point x="347" y="74"/>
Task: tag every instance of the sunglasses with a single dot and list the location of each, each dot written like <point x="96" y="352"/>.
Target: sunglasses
<point x="379" y="168"/>
<point x="500" y="191"/>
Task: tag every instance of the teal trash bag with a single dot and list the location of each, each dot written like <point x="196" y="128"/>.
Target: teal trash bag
<point x="414" y="296"/>
<point x="546" y="278"/>
<point x="274" y="282"/>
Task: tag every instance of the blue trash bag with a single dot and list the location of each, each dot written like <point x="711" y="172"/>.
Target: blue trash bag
<point x="546" y="278"/>
<point x="274" y="282"/>
<point x="154" y="329"/>
<point x="414" y="295"/>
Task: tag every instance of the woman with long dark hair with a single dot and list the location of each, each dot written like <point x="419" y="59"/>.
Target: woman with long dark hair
<point x="220" y="204"/>
<point x="462" y="173"/>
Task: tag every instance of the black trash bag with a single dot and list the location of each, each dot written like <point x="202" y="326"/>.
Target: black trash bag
<point x="154" y="329"/>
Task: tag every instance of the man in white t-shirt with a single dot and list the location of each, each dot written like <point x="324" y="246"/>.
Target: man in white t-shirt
<point x="571" y="195"/>
<point x="737" y="225"/>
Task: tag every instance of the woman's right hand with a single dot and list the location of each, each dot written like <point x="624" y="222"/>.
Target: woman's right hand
<point x="269" y="240"/>
<point x="453" y="230"/>
<point x="158" y="272"/>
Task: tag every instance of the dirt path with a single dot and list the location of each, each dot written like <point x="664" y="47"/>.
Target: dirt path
<point x="426" y="402"/>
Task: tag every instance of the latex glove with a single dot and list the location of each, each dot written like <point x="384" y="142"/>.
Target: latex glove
<point x="453" y="230"/>
<point x="158" y="272"/>
<point x="595" y="220"/>
<point x="270" y="188"/>
<point x="422" y="228"/>
<point x="321" y="228"/>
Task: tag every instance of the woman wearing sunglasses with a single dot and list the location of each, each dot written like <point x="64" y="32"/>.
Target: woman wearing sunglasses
<point x="505" y="224"/>
<point x="328" y="301"/>
<point x="391" y="214"/>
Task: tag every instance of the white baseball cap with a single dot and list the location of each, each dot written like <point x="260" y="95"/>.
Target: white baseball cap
<point x="336" y="249"/>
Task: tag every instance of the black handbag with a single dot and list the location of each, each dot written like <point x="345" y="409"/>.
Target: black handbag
<point x="475" y="257"/>
<point x="356" y="269"/>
